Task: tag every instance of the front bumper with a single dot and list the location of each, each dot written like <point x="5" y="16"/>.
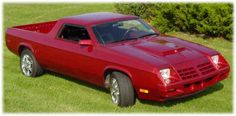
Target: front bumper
<point x="185" y="87"/>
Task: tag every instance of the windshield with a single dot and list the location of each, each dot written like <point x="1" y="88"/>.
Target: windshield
<point x="122" y="30"/>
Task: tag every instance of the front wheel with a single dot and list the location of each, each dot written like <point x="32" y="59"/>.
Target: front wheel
<point x="121" y="89"/>
<point x="29" y="65"/>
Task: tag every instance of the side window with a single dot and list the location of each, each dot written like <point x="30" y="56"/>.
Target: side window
<point x="73" y="33"/>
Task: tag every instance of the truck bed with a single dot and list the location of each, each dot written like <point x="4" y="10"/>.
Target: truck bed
<point x="31" y="34"/>
<point x="43" y="27"/>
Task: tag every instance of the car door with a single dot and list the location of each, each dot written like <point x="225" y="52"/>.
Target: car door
<point x="66" y="56"/>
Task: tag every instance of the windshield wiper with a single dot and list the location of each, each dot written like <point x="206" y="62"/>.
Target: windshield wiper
<point x="123" y="40"/>
<point x="148" y="35"/>
<point x="134" y="38"/>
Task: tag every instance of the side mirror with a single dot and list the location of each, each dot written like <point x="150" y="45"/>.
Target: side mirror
<point x="85" y="42"/>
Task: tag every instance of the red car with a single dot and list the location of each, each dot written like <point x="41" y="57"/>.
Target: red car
<point x="120" y="52"/>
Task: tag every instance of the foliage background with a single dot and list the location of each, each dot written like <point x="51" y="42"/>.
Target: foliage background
<point x="57" y="93"/>
<point x="207" y="19"/>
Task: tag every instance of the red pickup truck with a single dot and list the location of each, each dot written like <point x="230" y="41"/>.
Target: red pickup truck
<point x="119" y="52"/>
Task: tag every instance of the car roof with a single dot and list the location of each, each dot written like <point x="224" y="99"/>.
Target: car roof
<point x="98" y="18"/>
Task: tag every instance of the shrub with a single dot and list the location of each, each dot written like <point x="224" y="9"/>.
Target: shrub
<point x="210" y="19"/>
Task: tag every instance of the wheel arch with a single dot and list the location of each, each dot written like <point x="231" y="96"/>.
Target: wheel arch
<point x="108" y="70"/>
<point x="23" y="46"/>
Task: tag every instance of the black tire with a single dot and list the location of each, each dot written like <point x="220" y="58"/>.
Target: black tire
<point x="126" y="91"/>
<point x="36" y="68"/>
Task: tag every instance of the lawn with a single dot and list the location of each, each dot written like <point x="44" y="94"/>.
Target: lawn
<point x="55" y="93"/>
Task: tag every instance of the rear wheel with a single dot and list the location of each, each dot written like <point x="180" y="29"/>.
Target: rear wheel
<point x="121" y="89"/>
<point x="29" y="65"/>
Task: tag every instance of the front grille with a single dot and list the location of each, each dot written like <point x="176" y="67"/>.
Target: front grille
<point x="206" y="68"/>
<point x="187" y="73"/>
<point x="191" y="72"/>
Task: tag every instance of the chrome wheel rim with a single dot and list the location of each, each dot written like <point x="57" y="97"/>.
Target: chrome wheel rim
<point x="115" y="92"/>
<point x="27" y="65"/>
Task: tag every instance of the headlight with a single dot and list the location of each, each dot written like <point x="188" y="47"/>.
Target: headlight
<point x="165" y="73"/>
<point x="215" y="59"/>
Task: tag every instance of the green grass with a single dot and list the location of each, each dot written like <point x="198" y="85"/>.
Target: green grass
<point x="56" y="93"/>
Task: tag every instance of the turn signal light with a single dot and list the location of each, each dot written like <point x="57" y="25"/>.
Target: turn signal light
<point x="143" y="91"/>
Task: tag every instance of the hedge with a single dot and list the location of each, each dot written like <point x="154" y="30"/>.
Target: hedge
<point x="209" y="19"/>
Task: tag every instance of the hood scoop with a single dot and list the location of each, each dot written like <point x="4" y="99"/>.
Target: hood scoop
<point x="160" y="47"/>
<point x="173" y="51"/>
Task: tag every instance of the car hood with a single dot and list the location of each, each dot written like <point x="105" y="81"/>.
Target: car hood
<point x="162" y="50"/>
